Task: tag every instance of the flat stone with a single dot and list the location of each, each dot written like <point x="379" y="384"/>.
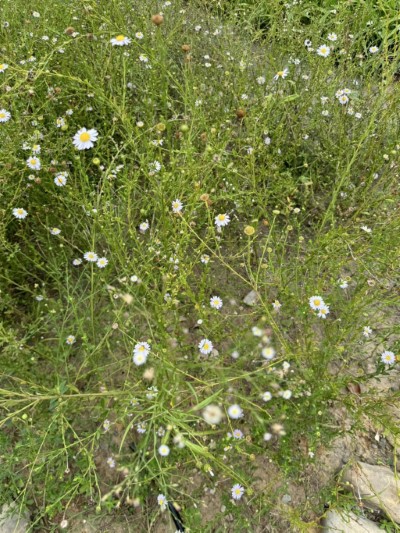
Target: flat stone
<point x="376" y="486"/>
<point x="347" y="522"/>
<point x="251" y="298"/>
<point x="11" y="521"/>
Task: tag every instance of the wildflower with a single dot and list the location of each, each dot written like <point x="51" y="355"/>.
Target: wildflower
<point x="323" y="51"/>
<point x="267" y="396"/>
<point x="162" y="501"/>
<point x="268" y="353"/>
<point x="85" y="139"/>
<point x="3" y="67"/>
<point x="71" y="339"/>
<point x="164" y="450"/>
<point x="19" y="213"/>
<point x="144" y="226"/>
<point x="55" y="231"/>
<point x="343" y="99"/>
<point x="139" y="35"/>
<point x="316" y="302"/>
<point x="140" y="353"/>
<point x="267" y="437"/>
<point x="276" y="305"/>
<point x="141" y="428"/>
<point x="106" y="425"/>
<point x="143" y="58"/>
<point x="222" y="220"/>
<point x="216" y="302"/>
<point x="61" y="179"/>
<point x="177" y="206"/>
<point x="205" y="346"/>
<point x="64" y="524"/>
<point x="388" y="358"/>
<point x="77" y="262"/>
<point x="286" y="394"/>
<point x="374" y="49"/>
<point x="111" y="462"/>
<point x="343" y="283"/>
<point x="235" y="411"/>
<point x="237" y="491"/>
<point x="102" y="262"/>
<point x="205" y="259"/>
<point x="249" y="230"/>
<point x="235" y="354"/>
<point x="281" y="74"/>
<point x="90" y="256"/>
<point x="366" y="229"/>
<point x="60" y="122"/>
<point x="367" y="331"/>
<point x="120" y="40"/>
<point x="257" y="332"/>
<point x="323" y="311"/>
<point x="35" y="14"/>
<point x="307" y="43"/>
<point x="237" y="434"/>
<point x="212" y="414"/>
<point x="285" y="366"/>
<point x="332" y="37"/>
<point x="33" y="163"/>
<point x="261" y="80"/>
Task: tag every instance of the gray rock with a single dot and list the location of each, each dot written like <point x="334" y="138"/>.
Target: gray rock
<point x="347" y="522"/>
<point x="376" y="486"/>
<point x="251" y="298"/>
<point x="11" y="521"/>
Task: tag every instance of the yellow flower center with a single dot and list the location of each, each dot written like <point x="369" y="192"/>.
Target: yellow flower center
<point x="33" y="161"/>
<point x="280" y="73"/>
<point x="20" y="211"/>
<point x="221" y="217"/>
<point x="1" y="66"/>
<point x="2" y="115"/>
<point x="206" y="346"/>
<point x="120" y="37"/>
<point x="84" y="137"/>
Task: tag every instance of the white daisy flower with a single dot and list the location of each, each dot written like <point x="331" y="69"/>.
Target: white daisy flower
<point x="77" y="262"/>
<point x="332" y="37"/>
<point x="61" y="179"/>
<point x="142" y="348"/>
<point x="367" y="331"/>
<point x="139" y="35"/>
<point x="205" y="259"/>
<point x="102" y="262"/>
<point x="222" y="220"/>
<point x="388" y="358"/>
<point x="139" y="358"/>
<point x="36" y="149"/>
<point x="3" y="67"/>
<point x="19" y="213"/>
<point x="235" y="411"/>
<point x="281" y="74"/>
<point x="177" y="206"/>
<point x="276" y="305"/>
<point x="323" y="50"/>
<point x="71" y="339"/>
<point x="286" y="394"/>
<point x="216" y="302"/>
<point x="343" y="283"/>
<point x="237" y="491"/>
<point x="374" y="49"/>
<point x="366" y="229"/>
<point x="55" y="231"/>
<point x="343" y="99"/>
<point x="111" y="462"/>
<point x="33" y="163"/>
<point x="268" y="353"/>
<point x="316" y="302"/>
<point x="85" y="139"/>
<point x="323" y="311"/>
<point x="307" y="43"/>
<point x="90" y="256"/>
<point x="144" y="226"/>
<point x="212" y="414"/>
<point x="261" y="80"/>
<point x="60" y="122"/>
<point x="162" y="501"/>
<point x="120" y="40"/>
<point x="163" y="450"/>
<point x="267" y="396"/>
<point x="205" y="346"/>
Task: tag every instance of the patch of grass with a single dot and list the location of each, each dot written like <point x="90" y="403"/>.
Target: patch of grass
<point x="190" y="110"/>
